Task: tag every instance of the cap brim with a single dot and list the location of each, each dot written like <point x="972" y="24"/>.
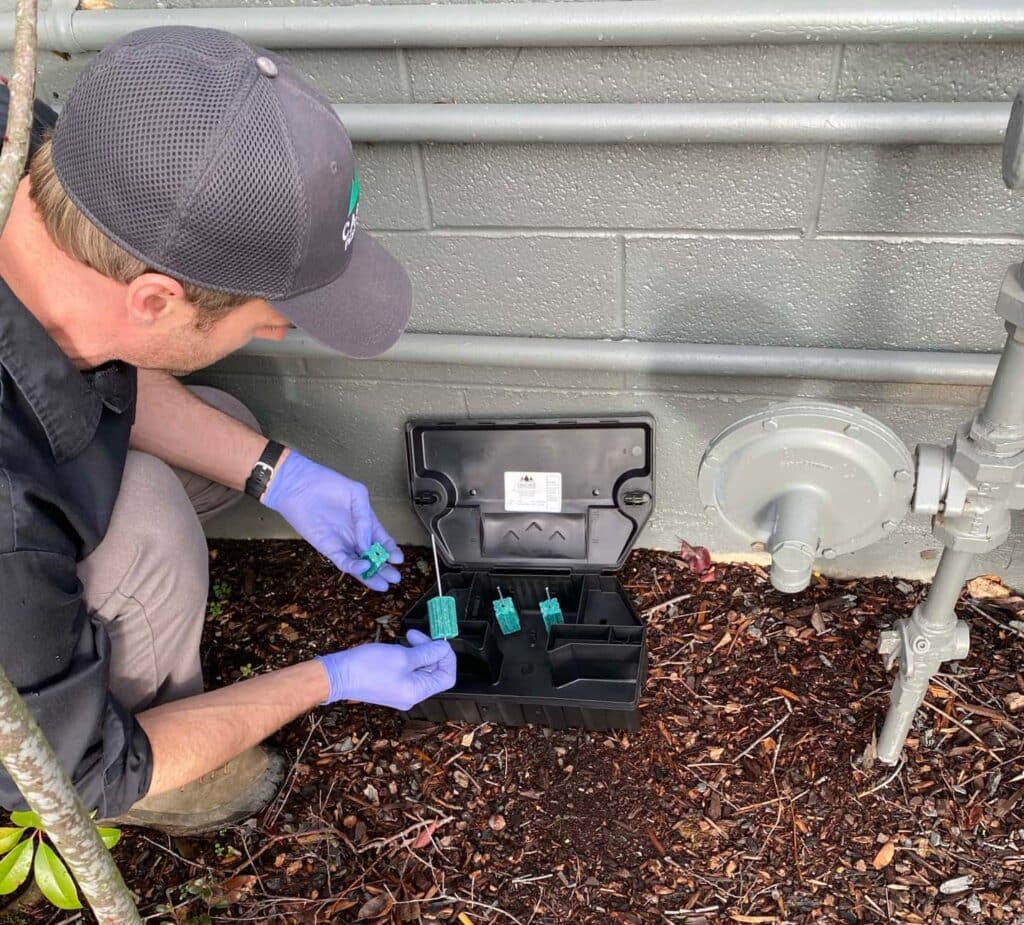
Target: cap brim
<point x="363" y="312"/>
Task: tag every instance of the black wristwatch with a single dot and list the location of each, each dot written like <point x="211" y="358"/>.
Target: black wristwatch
<point x="261" y="473"/>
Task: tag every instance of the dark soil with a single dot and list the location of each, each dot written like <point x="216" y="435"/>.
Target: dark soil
<point x="745" y="796"/>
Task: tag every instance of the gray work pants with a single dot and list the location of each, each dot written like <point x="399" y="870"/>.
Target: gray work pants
<point x="147" y="580"/>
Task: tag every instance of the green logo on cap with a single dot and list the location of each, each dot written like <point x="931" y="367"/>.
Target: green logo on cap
<point x="354" y="200"/>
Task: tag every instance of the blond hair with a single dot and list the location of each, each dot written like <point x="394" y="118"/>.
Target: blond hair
<point x="80" y="239"/>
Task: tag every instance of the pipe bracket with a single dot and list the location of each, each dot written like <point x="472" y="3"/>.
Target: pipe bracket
<point x="55" y="27"/>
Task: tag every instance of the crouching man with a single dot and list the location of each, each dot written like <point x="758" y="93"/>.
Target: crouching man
<point x="194" y="194"/>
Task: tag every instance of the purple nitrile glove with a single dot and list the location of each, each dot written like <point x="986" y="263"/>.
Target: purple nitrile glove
<point x="391" y="675"/>
<point x="333" y="514"/>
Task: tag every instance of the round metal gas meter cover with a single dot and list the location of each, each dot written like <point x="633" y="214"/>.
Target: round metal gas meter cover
<point x="860" y="471"/>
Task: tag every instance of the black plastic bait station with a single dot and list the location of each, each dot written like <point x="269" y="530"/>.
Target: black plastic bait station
<point x="532" y="519"/>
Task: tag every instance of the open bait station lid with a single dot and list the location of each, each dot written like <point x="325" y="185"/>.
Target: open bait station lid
<point x="561" y="493"/>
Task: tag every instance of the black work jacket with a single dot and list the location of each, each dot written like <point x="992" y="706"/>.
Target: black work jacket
<point x="63" y="440"/>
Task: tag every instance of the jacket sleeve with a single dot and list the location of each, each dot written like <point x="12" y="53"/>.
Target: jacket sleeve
<point x="59" y="659"/>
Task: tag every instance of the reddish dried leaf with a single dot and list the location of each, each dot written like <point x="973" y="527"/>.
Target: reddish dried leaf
<point x="423" y="839"/>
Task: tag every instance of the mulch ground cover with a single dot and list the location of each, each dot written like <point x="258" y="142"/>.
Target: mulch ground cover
<point x="749" y="795"/>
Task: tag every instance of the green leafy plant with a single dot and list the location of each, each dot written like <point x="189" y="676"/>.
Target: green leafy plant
<point x="247" y="671"/>
<point x="221" y="591"/>
<point x="24" y="850"/>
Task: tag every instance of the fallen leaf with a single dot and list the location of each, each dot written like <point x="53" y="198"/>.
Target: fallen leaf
<point x="423" y="839"/>
<point x="885" y="855"/>
<point x="464" y="919"/>
<point x="340" y="906"/>
<point x="698" y="560"/>
<point x="987" y="587"/>
<point x="467" y="740"/>
<point x="956" y="885"/>
<point x="375" y="908"/>
<point x="818" y="621"/>
<point x="789" y="695"/>
<point x="288" y="632"/>
<point x="233" y="890"/>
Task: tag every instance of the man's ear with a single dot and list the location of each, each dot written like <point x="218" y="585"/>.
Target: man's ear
<point x="153" y="297"/>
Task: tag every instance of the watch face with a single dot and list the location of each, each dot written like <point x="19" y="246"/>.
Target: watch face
<point x="258" y="479"/>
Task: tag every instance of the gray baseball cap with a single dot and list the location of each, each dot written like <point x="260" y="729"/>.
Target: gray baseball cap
<point x="218" y="164"/>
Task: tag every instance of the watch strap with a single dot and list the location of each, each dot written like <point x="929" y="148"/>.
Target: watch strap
<point x="262" y="472"/>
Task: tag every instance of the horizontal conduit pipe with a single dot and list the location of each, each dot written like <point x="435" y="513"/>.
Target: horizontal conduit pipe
<point x="678" y="123"/>
<point x="639" y="22"/>
<point x="667" y="359"/>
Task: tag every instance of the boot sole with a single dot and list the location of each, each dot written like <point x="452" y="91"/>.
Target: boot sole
<point x="245" y="806"/>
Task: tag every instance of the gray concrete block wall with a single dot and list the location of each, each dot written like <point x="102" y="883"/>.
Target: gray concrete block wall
<point x="844" y="245"/>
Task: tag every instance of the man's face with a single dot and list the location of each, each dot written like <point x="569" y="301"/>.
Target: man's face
<point x="187" y="341"/>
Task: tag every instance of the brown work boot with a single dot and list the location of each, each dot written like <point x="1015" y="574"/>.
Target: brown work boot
<point x="240" y="789"/>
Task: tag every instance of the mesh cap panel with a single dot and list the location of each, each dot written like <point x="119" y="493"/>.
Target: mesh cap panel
<point x="247" y="223"/>
<point x="172" y="143"/>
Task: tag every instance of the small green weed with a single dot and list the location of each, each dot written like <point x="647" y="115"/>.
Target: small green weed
<point x="220" y="593"/>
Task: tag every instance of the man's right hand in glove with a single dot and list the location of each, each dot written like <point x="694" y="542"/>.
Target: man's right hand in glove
<point x="391" y="675"/>
<point x="195" y="735"/>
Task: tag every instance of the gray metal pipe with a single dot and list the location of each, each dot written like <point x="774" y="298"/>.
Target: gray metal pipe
<point x="558" y="24"/>
<point x="669" y="359"/>
<point x="679" y="123"/>
<point x="937" y="613"/>
<point x="1004" y="407"/>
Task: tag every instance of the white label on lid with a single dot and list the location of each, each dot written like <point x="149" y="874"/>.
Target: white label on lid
<point x="533" y="491"/>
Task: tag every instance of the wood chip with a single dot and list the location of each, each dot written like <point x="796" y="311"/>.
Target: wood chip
<point x="789" y="695"/>
<point x="987" y="587"/>
<point x="885" y="855"/>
